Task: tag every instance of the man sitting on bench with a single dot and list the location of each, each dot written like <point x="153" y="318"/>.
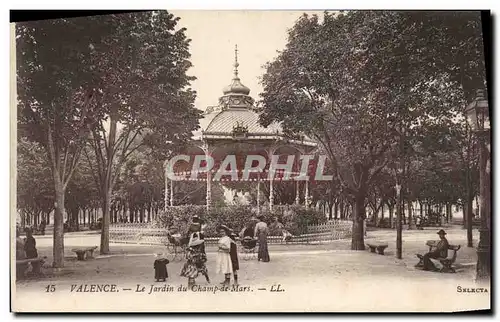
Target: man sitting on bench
<point x="441" y="251"/>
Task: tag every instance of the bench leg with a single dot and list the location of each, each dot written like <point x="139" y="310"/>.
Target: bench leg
<point x="80" y="256"/>
<point x="447" y="268"/>
<point x="21" y="271"/>
<point x="35" y="268"/>
<point x="420" y="263"/>
<point x="380" y="250"/>
<point x="372" y="249"/>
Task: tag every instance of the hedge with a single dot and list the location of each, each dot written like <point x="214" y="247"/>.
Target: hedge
<point x="295" y="218"/>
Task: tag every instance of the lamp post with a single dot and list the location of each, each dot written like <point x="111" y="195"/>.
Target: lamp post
<point x="478" y="117"/>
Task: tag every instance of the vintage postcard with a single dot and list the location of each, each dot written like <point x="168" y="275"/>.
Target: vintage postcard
<point x="251" y="161"/>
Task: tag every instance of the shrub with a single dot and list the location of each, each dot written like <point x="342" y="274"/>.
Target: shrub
<point x="295" y="218"/>
<point x="298" y="218"/>
<point x="235" y="217"/>
<point x="178" y="218"/>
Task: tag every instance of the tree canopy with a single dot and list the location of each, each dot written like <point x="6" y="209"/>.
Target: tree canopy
<point x="369" y="85"/>
<point x="112" y="83"/>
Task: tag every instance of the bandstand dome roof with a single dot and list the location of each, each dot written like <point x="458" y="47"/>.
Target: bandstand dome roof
<point x="235" y="116"/>
<point x="223" y="121"/>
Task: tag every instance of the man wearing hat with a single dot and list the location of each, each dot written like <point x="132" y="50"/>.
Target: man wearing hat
<point x="441" y="251"/>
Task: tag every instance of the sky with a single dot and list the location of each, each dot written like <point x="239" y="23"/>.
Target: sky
<point x="214" y="34"/>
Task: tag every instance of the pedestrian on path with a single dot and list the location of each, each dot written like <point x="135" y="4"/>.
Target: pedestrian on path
<point x="261" y="232"/>
<point x="233" y="252"/>
<point x="30" y="244"/>
<point x="160" y="267"/>
<point x="20" y="252"/>
<point x="196" y="256"/>
<point x="224" y="264"/>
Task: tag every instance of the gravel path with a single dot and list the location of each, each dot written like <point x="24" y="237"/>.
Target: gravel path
<point x="327" y="277"/>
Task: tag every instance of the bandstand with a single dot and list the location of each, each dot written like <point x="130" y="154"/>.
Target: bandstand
<point x="233" y="128"/>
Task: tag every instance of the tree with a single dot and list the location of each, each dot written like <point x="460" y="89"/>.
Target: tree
<point x="81" y="194"/>
<point x="350" y="83"/>
<point x="55" y="100"/>
<point x="144" y="90"/>
<point x="323" y="82"/>
<point x="35" y="189"/>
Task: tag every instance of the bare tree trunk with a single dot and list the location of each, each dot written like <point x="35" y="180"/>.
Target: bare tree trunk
<point x="469" y="220"/>
<point x="403" y="212"/>
<point x="58" y="236"/>
<point x="375" y="216"/>
<point x="358" y="218"/>
<point x="107" y="185"/>
<point x="391" y="216"/>
<point x="381" y="215"/>
<point x="104" y="247"/>
<point x="141" y="214"/>
<point x="411" y="219"/>
<point x="440" y="212"/>
<point x="477" y="204"/>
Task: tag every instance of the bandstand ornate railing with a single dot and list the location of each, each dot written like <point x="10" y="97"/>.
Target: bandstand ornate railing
<point x="149" y="234"/>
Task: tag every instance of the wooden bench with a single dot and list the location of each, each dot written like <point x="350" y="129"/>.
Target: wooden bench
<point x="84" y="253"/>
<point x="380" y="247"/>
<point x="23" y="264"/>
<point x="446" y="262"/>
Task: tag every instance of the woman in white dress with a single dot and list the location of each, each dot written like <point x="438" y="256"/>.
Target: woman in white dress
<point x="223" y="262"/>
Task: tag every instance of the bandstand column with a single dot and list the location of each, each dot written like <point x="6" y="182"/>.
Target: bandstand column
<point x="270" y="153"/>
<point x="171" y="193"/>
<point x="209" y="190"/>
<point x="297" y="196"/>
<point x="166" y="191"/>
<point x="258" y="193"/>
<point x="205" y="147"/>
<point x="271" y="191"/>
<point x="306" y="195"/>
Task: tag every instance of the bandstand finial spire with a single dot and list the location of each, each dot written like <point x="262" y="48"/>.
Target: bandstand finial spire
<point x="236" y="61"/>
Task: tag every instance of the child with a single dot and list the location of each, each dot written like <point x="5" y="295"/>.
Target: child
<point x="160" y="266"/>
<point x="224" y="263"/>
<point x="287" y="236"/>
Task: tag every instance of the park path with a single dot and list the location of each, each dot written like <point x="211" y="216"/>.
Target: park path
<point x="339" y="276"/>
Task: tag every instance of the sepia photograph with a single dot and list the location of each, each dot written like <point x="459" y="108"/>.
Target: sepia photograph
<point x="191" y="161"/>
